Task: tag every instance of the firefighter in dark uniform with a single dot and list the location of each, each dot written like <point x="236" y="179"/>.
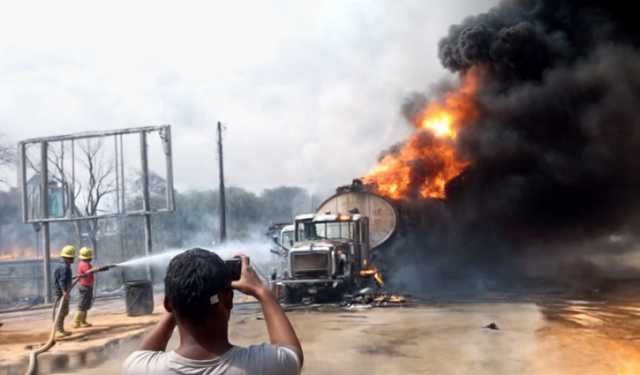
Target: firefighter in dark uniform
<point x="63" y="280"/>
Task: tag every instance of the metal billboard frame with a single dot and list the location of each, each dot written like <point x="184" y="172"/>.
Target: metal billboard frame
<point x="45" y="220"/>
<point x="164" y="130"/>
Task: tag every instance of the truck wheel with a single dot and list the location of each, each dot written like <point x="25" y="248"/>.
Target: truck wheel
<point x="331" y="296"/>
<point x="278" y="291"/>
<point x="292" y="295"/>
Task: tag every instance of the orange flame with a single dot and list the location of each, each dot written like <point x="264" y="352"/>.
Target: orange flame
<point x="18" y="254"/>
<point x="375" y="273"/>
<point x="428" y="160"/>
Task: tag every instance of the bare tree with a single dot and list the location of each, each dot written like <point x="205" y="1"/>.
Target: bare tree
<point x="83" y="199"/>
<point x="101" y="182"/>
<point x="7" y="157"/>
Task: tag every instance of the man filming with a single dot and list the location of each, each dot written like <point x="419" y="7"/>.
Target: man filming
<point x="199" y="299"/>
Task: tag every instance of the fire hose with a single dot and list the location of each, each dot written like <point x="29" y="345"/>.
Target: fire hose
<point x="32" y="369"/>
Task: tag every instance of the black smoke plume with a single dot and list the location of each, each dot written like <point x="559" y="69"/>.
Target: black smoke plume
<point x="554" y="178"/>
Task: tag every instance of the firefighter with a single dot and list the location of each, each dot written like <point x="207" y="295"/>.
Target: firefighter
<point x="86" y="280"/>
<point x="62" y="277"/>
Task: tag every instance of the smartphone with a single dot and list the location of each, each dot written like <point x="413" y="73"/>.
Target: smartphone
<point x="235" y="267"/>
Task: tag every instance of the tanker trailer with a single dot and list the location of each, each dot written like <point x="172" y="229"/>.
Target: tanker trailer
<point x="333" y="248"/>
<point x="382" y="214"/>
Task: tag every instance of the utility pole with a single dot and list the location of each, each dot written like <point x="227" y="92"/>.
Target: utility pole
<point x="223" y="203"/>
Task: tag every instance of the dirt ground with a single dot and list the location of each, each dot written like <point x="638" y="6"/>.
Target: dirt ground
<point x="23" y="330"/>
<point x="447" y="337"/>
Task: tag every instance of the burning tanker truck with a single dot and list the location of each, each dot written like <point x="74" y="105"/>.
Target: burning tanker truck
<point x="332" y="252"/>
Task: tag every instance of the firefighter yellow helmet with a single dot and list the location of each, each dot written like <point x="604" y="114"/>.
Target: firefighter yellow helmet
<point x="86" y="253"/>
<point x="68" y="251"/>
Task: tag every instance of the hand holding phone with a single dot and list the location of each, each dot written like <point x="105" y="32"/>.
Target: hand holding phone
<point x="249" y="282"/>
<point x="235" y="266"/>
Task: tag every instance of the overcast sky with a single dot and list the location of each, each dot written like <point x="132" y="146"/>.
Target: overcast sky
<point x="309" y="90"/>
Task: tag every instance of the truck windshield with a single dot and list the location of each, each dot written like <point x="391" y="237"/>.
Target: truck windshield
<point x="329" y="230"/>
<point x="287" y="239"/>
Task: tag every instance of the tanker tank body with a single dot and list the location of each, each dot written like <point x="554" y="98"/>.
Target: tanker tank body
<point x="383" y="215"/>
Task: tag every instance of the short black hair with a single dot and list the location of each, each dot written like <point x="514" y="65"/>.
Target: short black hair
<point x="192" y="278"/>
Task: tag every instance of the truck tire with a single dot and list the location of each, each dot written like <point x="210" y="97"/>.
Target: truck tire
<point x="292" y="295"/>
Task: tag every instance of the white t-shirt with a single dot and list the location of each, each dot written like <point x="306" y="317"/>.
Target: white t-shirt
<point x="264" y="359"/>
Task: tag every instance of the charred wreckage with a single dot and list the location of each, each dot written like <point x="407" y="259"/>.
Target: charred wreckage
<point x="330" y="254"/>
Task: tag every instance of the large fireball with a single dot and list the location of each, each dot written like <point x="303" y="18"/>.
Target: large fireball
<point x="428" y="160"/>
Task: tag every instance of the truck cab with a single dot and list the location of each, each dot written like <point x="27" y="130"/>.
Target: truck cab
<point x="328" y="253"/>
